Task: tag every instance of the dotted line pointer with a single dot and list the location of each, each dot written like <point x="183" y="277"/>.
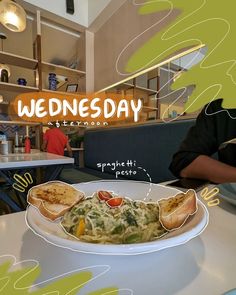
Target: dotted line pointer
<point x="150" y="180"/>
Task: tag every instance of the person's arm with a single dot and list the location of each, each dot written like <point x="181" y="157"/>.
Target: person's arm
<point x="204" y="167"/>
<point x="45" y="142"/>
<point x="193" y="159"/>
<point x="44" y="145"/>
<point x="68" y="147"/>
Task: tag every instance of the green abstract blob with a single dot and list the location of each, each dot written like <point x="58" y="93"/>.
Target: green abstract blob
<point x="208" y="22"/>
<point x="20" y="282"/>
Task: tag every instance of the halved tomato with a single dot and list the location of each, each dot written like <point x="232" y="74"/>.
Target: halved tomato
<point x="104" y="195"/>
<point x="115" y="202"/>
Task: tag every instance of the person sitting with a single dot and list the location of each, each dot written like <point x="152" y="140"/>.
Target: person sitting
<point x="214" y="126"/>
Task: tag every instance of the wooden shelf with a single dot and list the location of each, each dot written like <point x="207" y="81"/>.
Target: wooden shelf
<point x="126" y="86"/>
<point x="20" y="123"/>
<point x="61" y="92"/>
<point x="61" y="70"/>
<point x="17" y="60"/>
<point x="149" y="91"/>
<point x="16" y="87"/>
<point x="149" y="109"/>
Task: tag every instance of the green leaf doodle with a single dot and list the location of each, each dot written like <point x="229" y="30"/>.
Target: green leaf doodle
<point x="19" y="282"/>
<point x="208" y="22"/>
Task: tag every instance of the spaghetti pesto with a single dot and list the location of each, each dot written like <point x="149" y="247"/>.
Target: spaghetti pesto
<point x="93" y="220"/>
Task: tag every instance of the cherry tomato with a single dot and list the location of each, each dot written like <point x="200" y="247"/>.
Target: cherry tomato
<point x="114" y="202"/>
<point x="104" y="195"/>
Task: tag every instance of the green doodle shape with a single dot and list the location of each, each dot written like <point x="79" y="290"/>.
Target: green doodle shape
<point x="208" y="22"/>
<point x="20" y="281"/>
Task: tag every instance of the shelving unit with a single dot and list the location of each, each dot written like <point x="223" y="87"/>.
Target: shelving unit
<point x="38" y="65"/>
<point x="67" y="47"/>
<point x="36" y="69"/>
<point x="153" y="86"/>
<point x="144" y="93"/>
<point x="139" y="92"/>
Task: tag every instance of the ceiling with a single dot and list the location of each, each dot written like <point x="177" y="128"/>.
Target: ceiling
<point x="86" y="11"/>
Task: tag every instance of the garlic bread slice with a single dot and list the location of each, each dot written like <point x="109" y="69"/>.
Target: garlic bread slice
<point x="174" y="211"/>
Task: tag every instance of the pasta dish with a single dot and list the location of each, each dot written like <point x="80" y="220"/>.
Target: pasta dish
<point x="108" y="219"/>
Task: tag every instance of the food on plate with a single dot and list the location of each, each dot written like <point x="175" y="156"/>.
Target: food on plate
<point x="174" y="211"/>
<point x="54" y="198"/>
<point x="104" y="195"/>
<point x="107" y="218"/>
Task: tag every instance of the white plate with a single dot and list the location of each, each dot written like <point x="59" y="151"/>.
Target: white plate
<point x="53" y="233"/>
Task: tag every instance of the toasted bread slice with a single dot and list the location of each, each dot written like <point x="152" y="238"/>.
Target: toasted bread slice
<point x="54" y="198"/>
<point x="174" y="211"/>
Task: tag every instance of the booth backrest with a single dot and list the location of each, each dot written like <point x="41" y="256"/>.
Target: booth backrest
<point x="151" y="146"/>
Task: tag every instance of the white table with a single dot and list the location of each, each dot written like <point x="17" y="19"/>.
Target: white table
<point x="35" y="159"/>
<point x="205" y="265"/>
<point x="12" y="163"/>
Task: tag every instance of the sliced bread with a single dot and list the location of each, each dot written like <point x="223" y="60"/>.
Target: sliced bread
<point x="54" y="198"/>
<point x="174" y="211"/>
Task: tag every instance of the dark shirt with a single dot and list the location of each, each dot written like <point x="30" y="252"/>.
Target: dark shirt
<point x="205" y="137"/>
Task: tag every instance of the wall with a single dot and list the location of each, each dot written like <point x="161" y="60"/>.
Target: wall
<point x="58" y="7"/>
<point x="95" y="7"/>
<point x="113" y="36"/>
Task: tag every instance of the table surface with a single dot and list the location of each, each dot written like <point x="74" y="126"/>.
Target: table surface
<point x="204" y="265"/>
<point x="77" y="149"/>
<point x="35" y="159"/>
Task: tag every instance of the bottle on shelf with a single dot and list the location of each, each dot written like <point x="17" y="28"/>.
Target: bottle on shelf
<point x="16" y="139"/>
<point x="4" y="76"/>
<point x="27" y="141"/>
<point x="22" y="81"/>
<point x="52" y="81"/>
<point x="16" y="143"/>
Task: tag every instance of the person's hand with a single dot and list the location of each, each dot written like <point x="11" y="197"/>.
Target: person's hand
<point x="70" y="154"/>
<point x="68" y="147"/>
<point x="44" y="146"/>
